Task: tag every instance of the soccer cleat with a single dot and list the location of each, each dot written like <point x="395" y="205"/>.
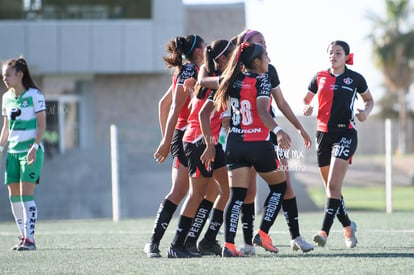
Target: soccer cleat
<point x="21" y="240"/>
<point x="321" y="238"/>
<point x="349" y="233"/>
<point x="262" y="239"/>
<point x="152" y="250"/>
<point x="26" y="245"/>
<point x="180" y="252"/>
<point x="300" y="243"/>
<point x="211" y="248"/>
<point x="229" y="250"/>
<point x="247" y="250"/>
<point x="192" y="247"/>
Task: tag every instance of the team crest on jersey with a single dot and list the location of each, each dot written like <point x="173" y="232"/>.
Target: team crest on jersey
<point x="25" y="103"/>
<point x="348" y="81"/>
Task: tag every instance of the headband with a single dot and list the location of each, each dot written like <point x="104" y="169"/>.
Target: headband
<point x="223" y="51"/>
<point x="192" y="47"/>
<point x="249" y="34"/>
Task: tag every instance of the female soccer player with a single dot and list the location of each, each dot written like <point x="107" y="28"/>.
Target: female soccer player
<point x="247" y="94"/>
<point x="336" y="136"/>
<point x="24" y="124"/>
<point x="202" y="176"/>
<point x="289" y="204"/>
<point x="173" y="127"/>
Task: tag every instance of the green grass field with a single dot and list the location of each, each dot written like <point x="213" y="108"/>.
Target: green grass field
<point x="386" y="246"/>
<point x="369" y="198"/>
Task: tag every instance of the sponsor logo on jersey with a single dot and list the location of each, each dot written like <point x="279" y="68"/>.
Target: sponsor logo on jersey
<point x="322" y="80"/>
<point x="245" y="131"/>
<point x="347" y="88"/>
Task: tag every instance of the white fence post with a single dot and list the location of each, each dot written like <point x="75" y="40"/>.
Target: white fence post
<point x="115" y="174"/>
<point x="388" y="167"/>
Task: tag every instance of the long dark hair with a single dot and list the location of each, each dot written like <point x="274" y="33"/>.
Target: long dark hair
<point x="180" y="48"/>
<point x="244" y="54"/>
<point x="214" y="51"/>
<point x="20" y="65"/>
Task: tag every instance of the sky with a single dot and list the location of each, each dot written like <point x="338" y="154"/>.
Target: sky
<point x="298" y="32"/>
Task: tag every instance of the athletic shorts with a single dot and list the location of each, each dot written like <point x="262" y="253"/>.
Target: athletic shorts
<point x="17" y="169"/>
<point x="280" y="152"/>
<point x="259" y="154"/>
<point x="193" y="152"/>
<point x="335" y="145"/>
<point x="177" y="149"/>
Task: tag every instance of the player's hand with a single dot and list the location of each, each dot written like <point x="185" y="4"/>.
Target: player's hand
<point x="283" y="139"/>
<point x="162" y="152"/>
<point x="207" y="157"/>
<point x="307" y="110"/>
<point x="306" y="138"/>
<point x="362" y="115"/>
<point x="31" y="156"/>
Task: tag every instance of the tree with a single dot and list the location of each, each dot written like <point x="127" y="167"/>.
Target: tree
<point x="393" y="51"/>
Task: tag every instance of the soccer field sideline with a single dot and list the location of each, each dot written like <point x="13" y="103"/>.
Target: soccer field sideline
<point x="386" y="246"/>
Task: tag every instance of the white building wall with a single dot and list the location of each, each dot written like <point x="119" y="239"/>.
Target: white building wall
<point x="94" y="46"/>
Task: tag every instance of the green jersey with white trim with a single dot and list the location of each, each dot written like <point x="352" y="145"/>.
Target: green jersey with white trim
<point x="21" y="112"/>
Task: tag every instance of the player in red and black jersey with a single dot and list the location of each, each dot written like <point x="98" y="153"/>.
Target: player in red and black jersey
<point x="173" y="114"/>
<point x="336" y="137"/>
<point x="289" y="204"/>
<point x="247" y="93"/>
<point x="203" y="177"/>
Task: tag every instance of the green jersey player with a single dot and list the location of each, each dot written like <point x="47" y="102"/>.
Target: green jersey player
<point x="24" y="123"/>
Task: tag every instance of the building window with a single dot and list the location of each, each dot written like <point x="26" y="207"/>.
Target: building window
<point x="62" y="125"/>
<point x="75" y="9"/>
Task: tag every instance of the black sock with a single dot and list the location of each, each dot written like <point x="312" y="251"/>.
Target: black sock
<point x="343" y="214"/>
<point x="163" y="218"/>
<point x="273" y="205"/>
<point x="184" y="225"/>
<point x="232" y="212"/>
<point x="331" y="209"/>
<point x="247" y="218"/>
<point x="290" y="209"/>
<point x="214" y="226"/>
<point x="198" y="222"/>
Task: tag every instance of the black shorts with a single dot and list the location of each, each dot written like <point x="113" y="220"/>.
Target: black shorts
<point x="259" y="154"/>
<point x="177" y="149"/>
<point x="335" y="145"/>
<point x="193" y="152"/>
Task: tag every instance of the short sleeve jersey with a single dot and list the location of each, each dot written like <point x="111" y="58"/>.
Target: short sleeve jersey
<point x="189" y="71"/>
<point x="336" y="97"/>
<point x="274" y="81"/>
<point x="193" y="132"/>
<point x="273" y="76"/>
<point x="216" y="117"/>
<point x="245" y="123"/>
<point x="21" y="113"/>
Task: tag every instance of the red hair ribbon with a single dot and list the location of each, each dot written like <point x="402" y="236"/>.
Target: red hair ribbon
<point x="242" y="46"/>
<point x="350" y="60"/>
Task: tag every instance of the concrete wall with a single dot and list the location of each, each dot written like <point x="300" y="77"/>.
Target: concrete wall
<point x="215" y="21"/>
<point x="93" y="46"/>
